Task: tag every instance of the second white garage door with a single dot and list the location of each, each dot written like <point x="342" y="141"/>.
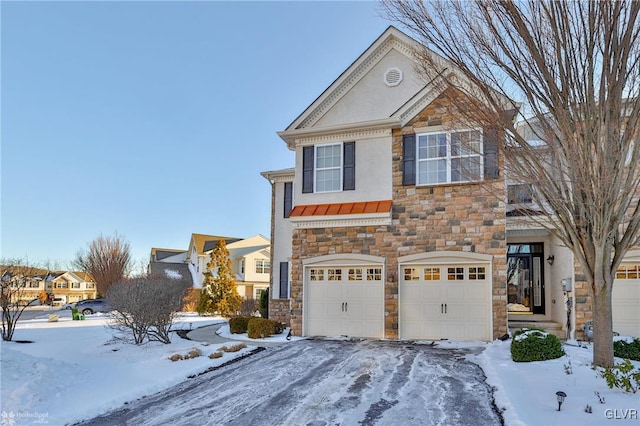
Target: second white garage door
<point x="344" y="301"/>
<point x="445" y="301"/>
<point x="625" y="300"/>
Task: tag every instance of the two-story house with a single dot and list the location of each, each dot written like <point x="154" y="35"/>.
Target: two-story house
<point x="250" y="261"/>
<point x="388" y="227"/>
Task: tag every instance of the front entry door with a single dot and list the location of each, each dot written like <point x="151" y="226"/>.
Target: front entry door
<point x="525" y="278"/>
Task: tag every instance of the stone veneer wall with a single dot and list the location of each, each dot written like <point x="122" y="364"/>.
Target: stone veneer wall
<point x="455" y="217"/>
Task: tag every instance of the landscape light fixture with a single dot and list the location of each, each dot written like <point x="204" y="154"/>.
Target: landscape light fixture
<point x="561" y="396"/>
<point x="550" y="259"/>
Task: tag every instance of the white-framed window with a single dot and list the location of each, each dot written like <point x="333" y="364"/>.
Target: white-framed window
<point x="477" y="273"/>
<point x="628" y="272"/>
<point x="90" y="285"/>
<point x="374" y="274"/>
<point x="242" y="266"/>
<point x="316" y="274"/>
<point x="455" y="274"/>
<point x="75" y="285"/>
<point x="519" y="193"/>
<point x="334" y="274"/>
<point x="431" y="274"/>
<point x="411" y="274"/>
<point x="262" y="266"/>
<point x="447" y="157"/>
<point x="257" y="293"/>
<point x="34" y="284"/>
<point x="63" y="284"/>
<point x="328" y="167"/>
<point x="355" y="274"/>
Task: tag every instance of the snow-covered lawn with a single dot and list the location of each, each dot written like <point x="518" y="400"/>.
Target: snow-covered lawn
<point x="75" y="370"/>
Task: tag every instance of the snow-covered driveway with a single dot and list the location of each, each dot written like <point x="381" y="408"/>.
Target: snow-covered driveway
<point x="325" y="382"/>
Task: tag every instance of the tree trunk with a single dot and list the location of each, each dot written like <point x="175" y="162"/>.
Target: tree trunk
<point x="602" y="325"/>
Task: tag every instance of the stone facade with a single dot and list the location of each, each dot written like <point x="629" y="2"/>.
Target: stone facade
<point x="467" y="217"/>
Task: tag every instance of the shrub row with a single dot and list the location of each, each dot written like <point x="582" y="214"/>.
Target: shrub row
<point x="254" y="327"/>
<point x="535" y="345"/>
<point x="627" y="350"/>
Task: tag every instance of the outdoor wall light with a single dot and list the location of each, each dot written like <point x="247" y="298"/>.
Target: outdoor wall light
<point x="550" y="259"/>
<point x="561" y="396"/>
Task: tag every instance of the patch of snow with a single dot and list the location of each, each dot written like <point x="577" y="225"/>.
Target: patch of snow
<point x="173" y="274"/>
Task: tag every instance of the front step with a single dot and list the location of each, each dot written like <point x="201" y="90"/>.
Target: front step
<point x="548" y="326"/>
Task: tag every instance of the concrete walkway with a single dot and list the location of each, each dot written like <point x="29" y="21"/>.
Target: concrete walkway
<point x="209" y="334"/>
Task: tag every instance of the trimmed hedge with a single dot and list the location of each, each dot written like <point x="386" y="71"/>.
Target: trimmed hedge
<point x="535" y="345"/>
<point x="261" y="327"/>
<point x="238" y="325"/>
<point x="627" y="350"/>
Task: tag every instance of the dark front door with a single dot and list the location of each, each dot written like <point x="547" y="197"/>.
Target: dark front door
<point x="525" y="278"/>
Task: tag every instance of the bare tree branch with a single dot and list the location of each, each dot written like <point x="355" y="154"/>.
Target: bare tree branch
<point x="575" y="68"/>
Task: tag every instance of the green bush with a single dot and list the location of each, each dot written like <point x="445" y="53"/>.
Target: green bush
<point x="627" y="350"/>
<point x="622" y="376"/>
<point x="262" y="327"/>
<point x="535" y="345"/>
<point x="238" y="325"/>
<point x="264" y="304"/>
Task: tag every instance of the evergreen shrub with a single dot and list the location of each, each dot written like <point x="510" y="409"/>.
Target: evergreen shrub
<point x="238" y="325"/>
<point x="535" y="345"/>
<point x="627" y="350"/>
<point x="262" y="327"/>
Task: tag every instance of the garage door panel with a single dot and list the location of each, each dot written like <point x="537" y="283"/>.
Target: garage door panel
<point x="344" y="301"/>
<point x="625" y="300"/>
<point x="445" y="301"/>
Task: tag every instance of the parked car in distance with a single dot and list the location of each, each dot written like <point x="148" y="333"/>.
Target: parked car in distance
<point x="91" y="306"/>
<point x="68" y="305"/>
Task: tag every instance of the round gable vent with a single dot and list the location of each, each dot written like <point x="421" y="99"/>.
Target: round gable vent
<point x="393" y="77"/>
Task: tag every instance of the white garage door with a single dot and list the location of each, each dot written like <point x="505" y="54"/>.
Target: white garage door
<point x="445" y="301"/>
<point x="626" y="300"/>
<point x="344" y="301"/>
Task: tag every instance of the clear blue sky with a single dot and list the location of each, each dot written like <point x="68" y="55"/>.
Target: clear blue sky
<point x="155" y="119"/>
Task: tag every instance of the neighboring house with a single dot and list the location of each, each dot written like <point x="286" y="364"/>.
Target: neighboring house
<point x="250" y="261"/>
<point x="70" y="286"/>
<point x="385" y="228"/>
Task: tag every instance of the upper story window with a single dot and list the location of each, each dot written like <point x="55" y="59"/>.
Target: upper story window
<point x="449" y="157"/>
<point x="90" y="285"/>
<point x="519" y="193"/>
<point x="263" y="266"/>
<point x="329" y="168"/>
<point x="75" y="285"/>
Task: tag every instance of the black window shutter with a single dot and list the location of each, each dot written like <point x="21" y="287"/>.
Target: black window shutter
<point x="349" y="166"/>
<point x="288" y="198"/>
<point x="409" y="159"/>
<point x="307" y="169"/>
<point x="284" y="280"/>
<point x="491" y="168"/>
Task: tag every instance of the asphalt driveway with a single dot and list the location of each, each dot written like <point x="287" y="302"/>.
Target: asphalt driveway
<point x="325" y="382"/>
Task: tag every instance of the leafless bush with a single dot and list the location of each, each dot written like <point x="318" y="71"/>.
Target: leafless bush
<point x="144" y="308"/>
<point x="248" y="307"/>
<point x="15" y="277"/>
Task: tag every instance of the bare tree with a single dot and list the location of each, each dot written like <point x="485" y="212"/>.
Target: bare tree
<point x="575" y="67"/>
<point x="15" y="277"/>
<point x="106" y="259"/>
<point x="145" y="307"/>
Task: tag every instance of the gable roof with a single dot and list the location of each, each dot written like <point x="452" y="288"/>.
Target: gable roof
<point x="362" y="97"/>
<point x="162" y="253"/>
<point x="391" y="42"/>
<point x="204" y="242"/>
